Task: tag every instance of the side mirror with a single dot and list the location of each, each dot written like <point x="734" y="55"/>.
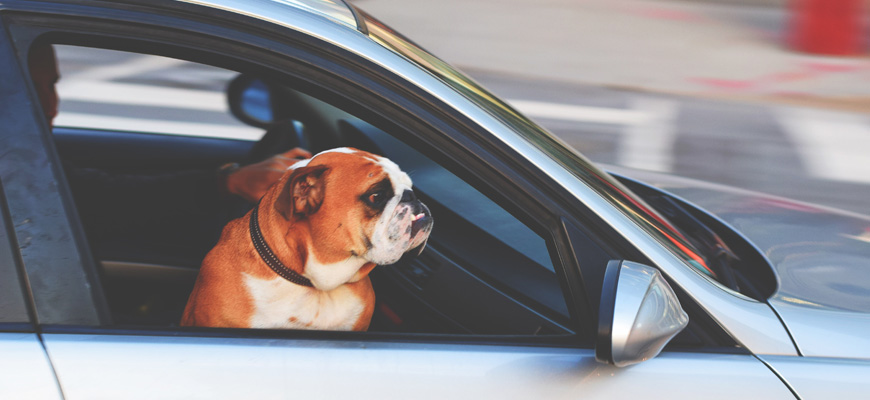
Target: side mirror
<point x="639" y="314"/>
<point x="250" y="100"/>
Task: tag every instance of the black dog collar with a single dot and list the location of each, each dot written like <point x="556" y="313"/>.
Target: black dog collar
<point x="269" y="257"/>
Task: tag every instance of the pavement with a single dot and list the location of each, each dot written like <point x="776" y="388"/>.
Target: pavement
<point x="699" y="49"/>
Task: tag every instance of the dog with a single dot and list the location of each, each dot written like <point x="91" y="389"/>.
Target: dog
<point x="301" y="258"/>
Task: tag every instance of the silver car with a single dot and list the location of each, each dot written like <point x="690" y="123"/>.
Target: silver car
<point x="545" y="277"/>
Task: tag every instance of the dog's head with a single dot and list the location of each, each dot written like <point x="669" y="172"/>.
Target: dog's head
<point x="354" y="204"/>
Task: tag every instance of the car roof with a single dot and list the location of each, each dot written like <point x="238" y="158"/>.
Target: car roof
<point x="276" y="10"/>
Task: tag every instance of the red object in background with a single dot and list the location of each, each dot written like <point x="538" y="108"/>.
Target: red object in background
<point x="827" y="26"/>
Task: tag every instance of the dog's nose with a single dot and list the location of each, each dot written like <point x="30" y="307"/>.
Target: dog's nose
<point x="408" y="195"/>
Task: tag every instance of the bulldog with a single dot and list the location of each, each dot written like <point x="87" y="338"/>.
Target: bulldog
<point x="301" y="258"/>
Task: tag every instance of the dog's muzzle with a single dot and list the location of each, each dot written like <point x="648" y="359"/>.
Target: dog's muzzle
<point x="422" y="217"/>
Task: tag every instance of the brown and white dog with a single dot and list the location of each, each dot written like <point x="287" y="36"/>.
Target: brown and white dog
<point x="301" y="258"/>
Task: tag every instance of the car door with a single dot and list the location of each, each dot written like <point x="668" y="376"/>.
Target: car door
<point x="95" y="357"/>
<point x="25" y="371"/>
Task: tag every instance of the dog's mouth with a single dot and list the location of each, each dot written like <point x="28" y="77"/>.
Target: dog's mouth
<point x="421" y="226"/>
<point x="419" y="222"/>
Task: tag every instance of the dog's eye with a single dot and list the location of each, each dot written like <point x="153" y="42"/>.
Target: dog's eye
<point x="378" y="195"/>
<point x="377" y="198"/>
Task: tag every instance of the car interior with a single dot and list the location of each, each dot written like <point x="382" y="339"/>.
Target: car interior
<point x="483" y="271"/>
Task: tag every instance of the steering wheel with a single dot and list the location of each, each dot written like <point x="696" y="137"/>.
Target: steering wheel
<point x="280" y="137"/>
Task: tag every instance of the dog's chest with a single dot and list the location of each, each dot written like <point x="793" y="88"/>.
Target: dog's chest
<point x="279" y="304"/>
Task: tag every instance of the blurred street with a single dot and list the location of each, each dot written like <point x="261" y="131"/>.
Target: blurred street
<point x="698" y="89"/>
<point x="704" y="89"/>
<point x="702" y="48"/>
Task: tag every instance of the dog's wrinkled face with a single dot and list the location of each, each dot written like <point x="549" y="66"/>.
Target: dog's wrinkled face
<point x="356" y="204"/>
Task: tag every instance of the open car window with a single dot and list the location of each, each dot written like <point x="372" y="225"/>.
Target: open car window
<point x="130" y="124"/>
<point x="122" y="91"/>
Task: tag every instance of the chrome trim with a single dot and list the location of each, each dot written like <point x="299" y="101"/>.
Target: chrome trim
<point x="751" y="323"/>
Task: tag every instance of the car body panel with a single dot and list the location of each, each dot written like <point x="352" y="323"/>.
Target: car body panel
<point x="823" y="378"/>
<point x="25" y="371"/>
<point x="825" y="333"/>
<point x="178" y="367"/>
<point x="126" y="364"/>
<point x="820" y="257"/>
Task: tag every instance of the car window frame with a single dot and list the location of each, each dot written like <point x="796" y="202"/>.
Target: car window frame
<point x="529" y="200"/>
<point x="15" y="306"/>
<point x="30" y="185"/>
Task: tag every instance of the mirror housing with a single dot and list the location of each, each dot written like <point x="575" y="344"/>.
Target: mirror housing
<point x="250" y="100"/>
<point x="639" y="314"/>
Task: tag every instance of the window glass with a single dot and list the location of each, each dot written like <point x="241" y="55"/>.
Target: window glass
<point x="152" y="205"/>
<point x="121" y="91"/>
<point x="483" y="235"/>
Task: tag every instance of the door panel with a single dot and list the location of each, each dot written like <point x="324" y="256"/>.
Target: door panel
<point x="25" y="372"/>
<point x="131" y="151"/>
<point x="824" y="378"/>
<point x="133" y="367"/>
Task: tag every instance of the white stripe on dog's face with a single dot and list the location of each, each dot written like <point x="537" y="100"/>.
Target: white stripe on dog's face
<point x="303" y="163"/>
<point x="401" y="181"/>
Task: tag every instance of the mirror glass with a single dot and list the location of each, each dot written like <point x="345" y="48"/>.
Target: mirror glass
<point x="256" y="101"/>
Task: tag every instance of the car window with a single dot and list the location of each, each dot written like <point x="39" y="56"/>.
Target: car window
<point x="123" y="91"/>
<point x="129" y="125"/>
<point x="477" y="229"/>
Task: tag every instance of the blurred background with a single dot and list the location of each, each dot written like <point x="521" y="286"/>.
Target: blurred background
<point x="768" y="95"/>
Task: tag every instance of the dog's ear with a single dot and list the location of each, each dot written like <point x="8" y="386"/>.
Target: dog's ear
<point x="303" y="194"/>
